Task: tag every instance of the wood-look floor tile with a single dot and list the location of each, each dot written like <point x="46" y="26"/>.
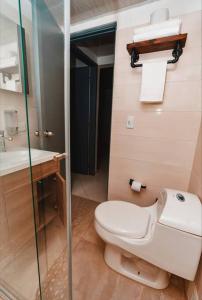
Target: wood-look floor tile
<point x="150" y="294"/>
<point x="82" y="216"/>
<point x="175" y="290"/>
<point x="92" y="236"/>
<point x="92" y="278"/>
<point x="127" y="289"/>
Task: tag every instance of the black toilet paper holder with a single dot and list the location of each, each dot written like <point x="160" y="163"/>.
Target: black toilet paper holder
<point x="131" y="182"/>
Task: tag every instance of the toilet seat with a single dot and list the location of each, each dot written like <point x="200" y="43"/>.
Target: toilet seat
<point x="123" y="218"/>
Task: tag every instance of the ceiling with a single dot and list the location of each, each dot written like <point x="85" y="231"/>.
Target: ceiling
<point x="81" y="10"/>
<point x="85" y="9"/>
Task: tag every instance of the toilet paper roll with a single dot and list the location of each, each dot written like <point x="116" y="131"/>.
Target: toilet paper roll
<point x="136" y="186"/>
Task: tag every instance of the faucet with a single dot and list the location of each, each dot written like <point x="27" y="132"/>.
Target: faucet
<point x="2" y="141"/>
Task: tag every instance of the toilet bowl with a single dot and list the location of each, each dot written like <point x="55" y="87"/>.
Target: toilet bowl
<point x="147" y="244"/>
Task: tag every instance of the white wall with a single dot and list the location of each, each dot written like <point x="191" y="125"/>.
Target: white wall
<point x="159" y="151"/>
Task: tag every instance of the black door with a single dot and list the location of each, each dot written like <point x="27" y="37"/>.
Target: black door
<point x="104" y="116"/>
<point x="83" y="113"/>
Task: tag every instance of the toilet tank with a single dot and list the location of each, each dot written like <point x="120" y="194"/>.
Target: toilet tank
<point x="180" y="210"/>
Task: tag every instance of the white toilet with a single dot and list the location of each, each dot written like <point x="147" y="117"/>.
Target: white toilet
<point x="148" y="243"/>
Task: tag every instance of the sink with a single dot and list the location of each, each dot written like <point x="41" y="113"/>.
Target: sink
<point x="16" y="160"/>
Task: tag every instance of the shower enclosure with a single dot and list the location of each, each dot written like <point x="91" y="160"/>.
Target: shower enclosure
<point x="35" y="221"/>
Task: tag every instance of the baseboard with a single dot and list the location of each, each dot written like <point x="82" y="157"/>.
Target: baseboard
<point x="191" y="291"/>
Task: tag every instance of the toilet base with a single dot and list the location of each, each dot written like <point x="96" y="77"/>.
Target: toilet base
<point x="135" y="268"/>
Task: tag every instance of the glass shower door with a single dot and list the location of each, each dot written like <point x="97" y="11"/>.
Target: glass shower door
<point x="34" y="241"/>
<point x="35" y="252"/>
<point x="49" y="159"/>
<point x="19" y="269"/>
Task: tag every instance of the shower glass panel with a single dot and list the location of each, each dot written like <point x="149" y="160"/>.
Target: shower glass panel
<point x="19" y="276"/>
<point x="46" y="115"/>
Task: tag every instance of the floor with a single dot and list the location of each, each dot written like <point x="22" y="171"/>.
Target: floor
<point x="91" y="187"/>
<point x="92" y="278"/>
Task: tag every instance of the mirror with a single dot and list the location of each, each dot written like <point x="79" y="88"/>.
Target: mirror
<point x="10" y="55"/>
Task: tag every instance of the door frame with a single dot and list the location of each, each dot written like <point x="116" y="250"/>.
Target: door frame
<point x="93" y="32"/>
<point x="79" y="36"/>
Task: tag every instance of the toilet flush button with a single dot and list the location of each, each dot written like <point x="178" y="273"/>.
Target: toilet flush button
<point x="180" y="197"/>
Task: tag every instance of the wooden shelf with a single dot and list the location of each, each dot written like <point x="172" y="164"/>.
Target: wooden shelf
<point x="160" y="44"/>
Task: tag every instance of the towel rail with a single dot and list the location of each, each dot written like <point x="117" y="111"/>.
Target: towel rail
<point x="177" y="52"/>
<point x="177" y="43"/>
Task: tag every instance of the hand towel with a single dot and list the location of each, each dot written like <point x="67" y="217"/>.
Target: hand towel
<point x="153" y="80"/>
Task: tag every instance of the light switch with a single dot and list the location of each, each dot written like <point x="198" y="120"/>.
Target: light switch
<point x="130" y="122"/>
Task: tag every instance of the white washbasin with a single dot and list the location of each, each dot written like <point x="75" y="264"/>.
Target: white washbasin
<point x="16" y="160"/>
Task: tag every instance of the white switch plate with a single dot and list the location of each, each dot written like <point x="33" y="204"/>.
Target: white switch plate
<point x="130" y="122"/>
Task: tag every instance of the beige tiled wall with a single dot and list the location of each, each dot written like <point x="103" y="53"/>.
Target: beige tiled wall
<point x="159" y="151"/>
<point x="196" y="188"/>
<point x="195" y="185"/>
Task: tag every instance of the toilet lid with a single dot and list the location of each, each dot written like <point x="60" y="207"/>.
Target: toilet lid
<point x="123" y="218"/>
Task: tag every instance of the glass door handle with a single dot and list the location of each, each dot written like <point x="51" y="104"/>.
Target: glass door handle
<point x="47" y="133"/>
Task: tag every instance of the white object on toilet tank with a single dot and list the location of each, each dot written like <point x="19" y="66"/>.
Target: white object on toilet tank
<point x="181" y="211"/>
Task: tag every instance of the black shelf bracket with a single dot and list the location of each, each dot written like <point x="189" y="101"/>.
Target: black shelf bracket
<point x="177" y="52"/>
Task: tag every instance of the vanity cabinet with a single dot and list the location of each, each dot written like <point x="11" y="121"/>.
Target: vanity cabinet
<point x="17" y="204"/>
<point x="49" y="193"/>
<point x="49" y="199"/>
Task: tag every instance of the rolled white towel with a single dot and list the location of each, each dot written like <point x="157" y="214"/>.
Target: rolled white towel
<point x="167" y="28"/>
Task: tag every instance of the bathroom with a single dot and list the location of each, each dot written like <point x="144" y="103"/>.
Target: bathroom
<point x="134" y="232"/>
